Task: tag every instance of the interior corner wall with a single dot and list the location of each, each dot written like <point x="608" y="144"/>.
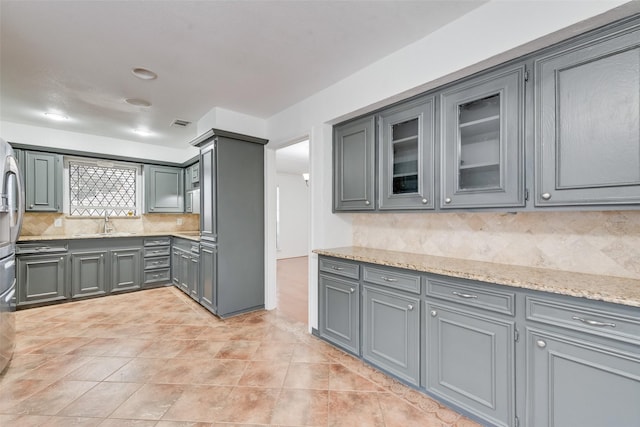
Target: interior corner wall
<point x="294" y="216"/>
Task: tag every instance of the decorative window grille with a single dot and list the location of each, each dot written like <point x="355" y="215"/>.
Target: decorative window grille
<point x="94" y="189"/>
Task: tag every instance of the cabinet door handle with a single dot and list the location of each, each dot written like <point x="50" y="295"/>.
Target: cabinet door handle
<point x="434" y="313"/>
<point x="545" y="196"/>
<point x="410" y="307"/>
<point x="366" y="202"/>
<point x="594" y="322"/>
<point x="333" y="267"/>
<point x="461" y="295"/>
<point x="541" y="343"/>
<point x="447" y="200"/>
<point x="30" y="206"/>
<point x="388" y="279"/>
<point x="352" y="290"/>
<point x="424" y="201"/>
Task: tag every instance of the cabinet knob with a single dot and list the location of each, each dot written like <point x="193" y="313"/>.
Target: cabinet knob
<point x="424" y="201"/>
<point x="366" y="202"/>
<point x="434" y="313"/>
<point x="447" y="200"/>
<point x="545" y="196"/>
<point x="61" y="258"/>
<point x="150" y="209"/>
<point x="30" y="206"/>
<point x="410" y="307"/>
<point x="352" y="290"/>
<point x="541" y="343"/>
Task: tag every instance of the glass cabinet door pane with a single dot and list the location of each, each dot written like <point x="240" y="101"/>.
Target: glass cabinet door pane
<point x="479" y="144"/>
<point x="405" y="157"/>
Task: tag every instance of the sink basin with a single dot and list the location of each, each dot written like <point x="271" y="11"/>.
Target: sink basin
<point x="114" y="234"/>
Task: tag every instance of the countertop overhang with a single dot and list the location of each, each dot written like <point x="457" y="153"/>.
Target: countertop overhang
<point x="618" y="290"/>
<point x="190" y="235"/>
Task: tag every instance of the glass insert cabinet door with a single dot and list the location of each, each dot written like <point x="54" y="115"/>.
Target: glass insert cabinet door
<point x="406" y="156"/>
<point x="482" y="131"/>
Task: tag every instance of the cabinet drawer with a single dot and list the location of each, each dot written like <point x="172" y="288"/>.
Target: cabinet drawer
<point x="593" y="321"/>
<point x="159" y="262"/>
<point x="156" y="276"/>
<point x="157" y="241"/>
<point x="157" y="251"/>
<point x="393" y="279"/>
<point x="340" y="268"/>
<point x="473" y="295"/>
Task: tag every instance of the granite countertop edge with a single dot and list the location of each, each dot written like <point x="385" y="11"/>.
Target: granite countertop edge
<point x="613" y="289"/>
<point x="190" y="235"/>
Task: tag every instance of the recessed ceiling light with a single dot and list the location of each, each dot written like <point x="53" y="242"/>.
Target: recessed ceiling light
<point x="143" y="132"/>
<point x="138" y="102"/>
<point x="144" y="74"/>
<point x="56" y="116"/>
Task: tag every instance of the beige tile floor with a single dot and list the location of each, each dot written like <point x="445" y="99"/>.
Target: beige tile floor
<point x="155" y="358"/>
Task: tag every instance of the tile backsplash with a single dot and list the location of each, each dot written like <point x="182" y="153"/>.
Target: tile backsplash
<point x="43" y="224"/>
<point x="589" y="242"/>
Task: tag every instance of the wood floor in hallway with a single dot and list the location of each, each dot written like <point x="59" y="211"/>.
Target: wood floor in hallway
<point x="292" y="288"/>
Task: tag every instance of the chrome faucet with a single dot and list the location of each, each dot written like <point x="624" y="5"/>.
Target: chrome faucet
<point x="108" y="228"/>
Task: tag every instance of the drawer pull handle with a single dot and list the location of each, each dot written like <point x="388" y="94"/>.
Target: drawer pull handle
<point x="541" y="343"/>
<point x="410" y="307"/>
<point x="333" y="267"/>
<point x="388" y="279"/>
<point x="467" y="296"/>
<point x="594" y="322"/>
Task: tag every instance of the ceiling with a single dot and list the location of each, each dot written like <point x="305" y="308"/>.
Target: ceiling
<point x="253" y="57"/>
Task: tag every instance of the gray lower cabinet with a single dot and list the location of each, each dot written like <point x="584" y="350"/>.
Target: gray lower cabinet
<point x="42" y="279"/>
<point x="391" y="332"/>
<point x="587" y="122"/>
<point x="483" y="141"/>
<point x="470" y="361"/>
<point x="339" y="312"/>
<point x="184" y="261"/>
<point x="208" y="276"/>
<point x="88" y="274"/>
<point x="407" y="156"/>
<point x="193" y="283"/>
<point x="354" y="166"/>
<point x="575" y="382"/>
<point x="157" y="261"/>
<point x="126" y="269"/>
<point x="164" y="189"/>
<point x="176" y="272"/>
<point x="43" y="182"/>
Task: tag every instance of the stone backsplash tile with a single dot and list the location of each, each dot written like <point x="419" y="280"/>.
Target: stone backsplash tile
<point x="589" y="242"/>
<point x="43" y="224"/>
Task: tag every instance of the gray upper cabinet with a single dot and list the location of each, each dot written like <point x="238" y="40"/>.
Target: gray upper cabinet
<point x="406" y="156"/>
<point x="587" y="122"/>
<point x="354" y="166"/>
<point x="164" y="189"/>
<point x="483" y="142"/>
<point x="88" y="276"/>
<point x="43" y="182"/>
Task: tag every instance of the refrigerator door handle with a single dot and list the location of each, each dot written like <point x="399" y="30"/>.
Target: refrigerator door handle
<point x="12" y="168"/>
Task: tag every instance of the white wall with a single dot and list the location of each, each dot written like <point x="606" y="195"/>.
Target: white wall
<point x="486" y="36"/>
<point x="294" y="216"/>
<point x="47" y="137"/>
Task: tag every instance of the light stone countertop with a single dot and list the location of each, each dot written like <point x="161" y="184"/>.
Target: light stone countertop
<point x="191" y="235"/>
<point x="612" y="289"/>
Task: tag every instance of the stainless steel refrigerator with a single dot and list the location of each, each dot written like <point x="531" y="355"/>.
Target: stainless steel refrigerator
<point x="11" y="213"/>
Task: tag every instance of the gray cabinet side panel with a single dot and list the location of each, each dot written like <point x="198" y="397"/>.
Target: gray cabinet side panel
<point x="240" y="218"/>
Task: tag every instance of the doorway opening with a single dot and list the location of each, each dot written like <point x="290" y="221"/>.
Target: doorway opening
<point x="292" y="230"/>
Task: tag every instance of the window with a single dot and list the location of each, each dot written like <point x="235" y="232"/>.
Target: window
<point x="99" y="187"/>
